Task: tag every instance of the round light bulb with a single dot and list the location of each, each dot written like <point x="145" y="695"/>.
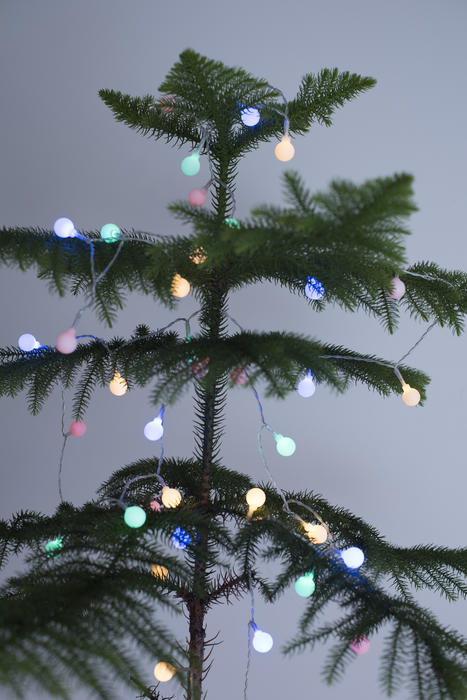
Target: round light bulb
<point x="353" y="557"/>
<point x="66" y="342"/>
<point x="27" y="342"/>
<point x="118" y="385"/>
<point x="171" y="498"/>
<point x="360" y="645"/>
<point x="110" y="233"/>
<point x="78" y="428"/>
<point x="305" y="585"/>
<point x="164" y="671"/>
<point x="167" y="102"/>
<point x="410" y="396"/>
<point x="198" y="256"/>
<point x="250" y="116"/>
<point x="159" y="571"/>
<point x="180" y="538"/>
<point x="134" y="516"/>
<point x="255" y="498"/>
<point x="397" y="289"/>
<point x="53" y="547"/>
<point x="284" y="150"/>
<point x="232" y="223"/>
<point x="306" y="387"/>
<point x="285" y="445"/>
<point x="64" y="228"/>
<point x="191" y="165"/>
<point x="197" y="197"/>
<point x="314" y="290"/>
<point x="262" y="641"/>
<point x="154" y="430"/>
<point x="316" y="533"/>
<point x="180" y="287"/>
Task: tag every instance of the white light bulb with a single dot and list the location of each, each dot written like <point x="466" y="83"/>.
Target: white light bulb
<point x="27" y="342"/>
<point x="154" y="430"/>
<point x="262" y="641"/>
<point x="353" y="557"/>
<point x="306" y="387"/>
<point x="250" y="116"/>
<point x="64" y="228"/>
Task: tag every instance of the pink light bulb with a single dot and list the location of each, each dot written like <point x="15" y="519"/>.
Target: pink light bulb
<point x="360" y="645"/>
<point x="66" y="342"/>
<point x="239" y="375"/>
<point x="397" y="289"/>
<point x="78" y="428"/>
<point x="197" y="197"/>
<point x="167" y="101"/>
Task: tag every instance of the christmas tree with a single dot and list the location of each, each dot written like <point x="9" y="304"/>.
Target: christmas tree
<point x="190" y="533"/>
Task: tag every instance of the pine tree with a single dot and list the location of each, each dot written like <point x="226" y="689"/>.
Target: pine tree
<point x="95" y="579"/>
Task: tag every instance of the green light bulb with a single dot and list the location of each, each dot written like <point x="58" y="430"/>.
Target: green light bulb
<point x="305" y="585"/>
<point x="134" y="516"/>
<point x="53" y="547"/>
<point x="233" y="223"/>
<point x="191" y="165"/>
<point x="284" y="445"/>
<point x="110" y="233"/>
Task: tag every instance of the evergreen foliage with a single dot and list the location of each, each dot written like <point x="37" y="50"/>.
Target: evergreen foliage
<point x="72" y="605"/>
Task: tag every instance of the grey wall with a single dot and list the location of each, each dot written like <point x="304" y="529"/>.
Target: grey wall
<point x="62" y="154"/>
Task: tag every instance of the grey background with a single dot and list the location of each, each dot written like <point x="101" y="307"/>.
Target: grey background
<point x="62" y="154"/>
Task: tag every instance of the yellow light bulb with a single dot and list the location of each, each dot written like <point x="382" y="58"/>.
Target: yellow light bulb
<point x="410" y="396"/>
<point x="171" y="498"/>
<point x="284" y="150"/>
<point x="118" y="385"/>
<point x="198" y="256"/>
<point x="316" y="533"/>
<point x="164" y="671"/>
<point x="255" y="499"/>
<point x="180" y="286"/>
<point x="159" y="571"/>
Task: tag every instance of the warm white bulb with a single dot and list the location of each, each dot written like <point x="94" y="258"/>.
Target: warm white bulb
<point x="171" y="498"/>
<point x="159" y="571"/>
<point x="410" y="396"/>
<point x="164" y="671"/>
<point x="118" y="385"/>
<point x="255" y="498"/>
<point x="180" y="287"/>
<point x="316" y="533"/>
<point x="284" y="150"/>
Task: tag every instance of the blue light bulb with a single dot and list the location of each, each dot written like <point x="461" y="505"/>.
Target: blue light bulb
<point x="313" y="289"/>
<point x="191" y="165"/>
<point x="250" y="116"/>
<point x="180" y="538"/>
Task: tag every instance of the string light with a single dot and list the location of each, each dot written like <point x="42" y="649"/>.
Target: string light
<point x="313" y="289"/>
<point x="250" y="116"/>
<point x="134" y="516"/>
<point x="110" y="233"/>
<point x="27" y="342"/>
<point x="239" y="375"/>
<point x="397" y="289"/>
<point x="155" y="505"/>
<point x="306" y="387"/>
<point x="78" y="428"/>
<point x="154" y="430"/>
<point x="118" y="385"/>
<point x="164" y="671"/>
<point x="231" y="222"/>
<point x="66" y="342"/>
<point x="284" y="445"/>
<point x="167" y="102"/>
<point x="197" y="197"/>
<point x="159" y="571"/>
<point x="353" y="557"/>
<point x="191" y="165"/>
<point x="316" y="533"/>
<point x="64" y="228"/>
<point x="360" y="645"/>
<point x="200" y="369"/>
<point x="171" y="498"/>
<point x="284" y="151"/>
<point x="198" y="256"/>
<point x="305" y="585"/>
<point x="53" y="547"/>
<point x="262" y="641"/>
<point x="180" y="538"/>
<point x="410" y="396"/>
<point x="180" y="286"/>
<point x="255" y="498"/>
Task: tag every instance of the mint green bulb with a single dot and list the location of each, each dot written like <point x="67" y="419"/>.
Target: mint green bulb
<point x="110" y="233"/>
<point x="191" y="165"/>
<point x="284" y="445"/>
<point x="305" y="585"/>
<point x="53" y="547"/>
<point x="134" y="516"/>
<point x="233" y="223"/>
